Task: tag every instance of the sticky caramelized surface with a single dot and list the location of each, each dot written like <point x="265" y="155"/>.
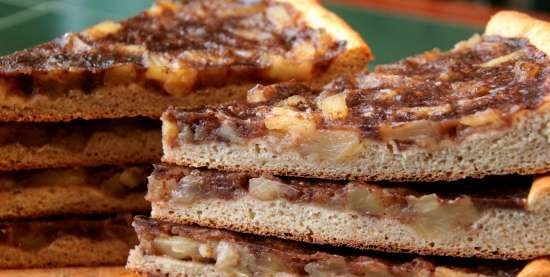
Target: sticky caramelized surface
<point x="235" y="253"/>
<point x="431" y="210"/>
<point x="176" y="46"/>
<point x="479" y="85"/>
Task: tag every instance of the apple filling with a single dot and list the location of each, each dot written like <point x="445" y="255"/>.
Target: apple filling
<point x="110" y="181"/>
<point x="430" y="210"/>
<point x="239" y="255"/>
<point x="428" y="215"/>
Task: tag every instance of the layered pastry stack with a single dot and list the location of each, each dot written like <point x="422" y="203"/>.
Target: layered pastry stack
<point x="433" y="155"/>
<point x="81" y="112"/>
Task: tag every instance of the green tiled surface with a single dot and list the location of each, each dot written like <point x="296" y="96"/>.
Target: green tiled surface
<point x="392" y="37"/>
<point x="7" y="9"/>
<point x="24" y="23"/>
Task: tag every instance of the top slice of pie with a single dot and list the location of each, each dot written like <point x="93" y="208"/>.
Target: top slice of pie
<point x="181" y="52"/>
<point x="480" y="109"/>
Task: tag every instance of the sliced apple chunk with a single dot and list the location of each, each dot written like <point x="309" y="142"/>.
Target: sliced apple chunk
<point x="334" y="106"/>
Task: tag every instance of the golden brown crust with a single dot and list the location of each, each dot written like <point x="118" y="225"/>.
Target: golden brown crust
<point x="319" y="17"/>
<point x="539" y="191"/>
<point x="515" y="24"/>
<point x="536" y="268"/>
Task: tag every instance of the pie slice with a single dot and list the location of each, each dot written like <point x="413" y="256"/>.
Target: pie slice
<point x="186" y="53"/>
<point x="172" y="250"/>
<point x="480" y="109"/>
<point x="496" y="218"/>
<point x="77" y="191"/>
<point x="62" y="242"/>
<point x="31" y="145"/>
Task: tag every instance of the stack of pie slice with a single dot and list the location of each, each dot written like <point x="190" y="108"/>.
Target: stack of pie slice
<point x="80" y="114"/>
<point x="443" y="155"/>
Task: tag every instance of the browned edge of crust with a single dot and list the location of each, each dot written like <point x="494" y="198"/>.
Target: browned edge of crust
<point x="516" y="24"/>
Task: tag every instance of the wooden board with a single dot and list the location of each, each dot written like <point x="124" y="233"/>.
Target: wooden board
<point x="69" y="272"/>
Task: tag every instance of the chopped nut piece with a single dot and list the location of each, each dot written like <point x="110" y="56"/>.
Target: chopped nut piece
<point x="177" y="247"/>
<point x="75" y="44"/>
<point x="252" y="34"/>
<point x="429" y="111"/>
<point x="497" y="61"/>
<point x="482" y="118"/>
<point x="334" y="107"/>
<point x="290" y="121"/>
<point x="540" y="189"/>
<point x="103" y="29"/>
<point x="227" y="255"/>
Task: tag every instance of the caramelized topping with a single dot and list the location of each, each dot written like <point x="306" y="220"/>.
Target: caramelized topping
<point x="177" y="46"/>
<point x="479" y="85"/>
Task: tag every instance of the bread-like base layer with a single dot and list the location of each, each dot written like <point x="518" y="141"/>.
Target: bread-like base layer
<point x="521" y="148"/>
<point x="67" y="251"/>
<point x="108" y="271"/>
<point x="114" y="102"/>
<point x="159" y="266"/>
<point x="33" y="202"/>
<point x="498" y="233"/>
<point x="104" y="147"/>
